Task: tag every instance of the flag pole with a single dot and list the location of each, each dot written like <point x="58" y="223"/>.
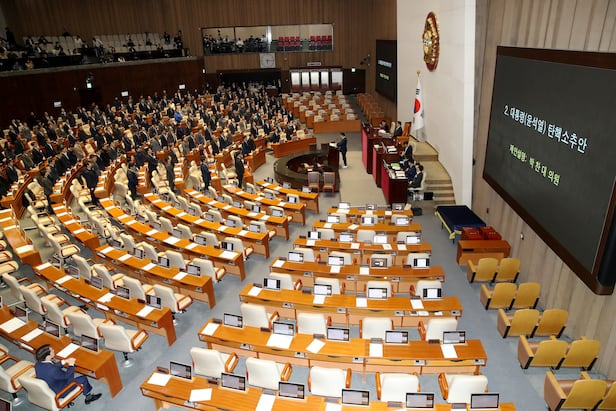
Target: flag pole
<point x="411" y="138"/>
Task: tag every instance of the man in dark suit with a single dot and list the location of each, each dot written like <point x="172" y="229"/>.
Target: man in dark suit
<point x="205" y="174"/>
<point x="133" y="179"/>
<point x="239" y="168"/>
<point x="170" y="173"/>
<point x="398" y="130"/>
<point x="342" y="146"/>
<point x="416" y="183"/>
<point x="11" y="173"/>
<point x="246" y="146"/>
<point x="37" y="155"/>
<point x="58" y="377"/>
<point x="89" y="174"/>
<point x="408" y="152"/>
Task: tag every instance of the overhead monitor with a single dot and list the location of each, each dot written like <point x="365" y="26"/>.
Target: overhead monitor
<point x="181" y="86"/>
<point x="231" y="381"/>
<point x="386" y="69"/>
<point x="322" y="289"/>
<point x="57" y="104"/>
<point x="355" y="397"/>
<point x="290" y="390"/>
<point x="232" y="320"/>
<point x="177" y="369"/>
<point x="421" y="400"/>
<point x="338" y="334"/>
<point x="124" y="94"/>
<point x="484" y="401"/>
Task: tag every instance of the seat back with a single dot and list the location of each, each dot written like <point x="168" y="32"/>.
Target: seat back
<point x="508" y="269"/>
<point x="327" y="382"/>
<point x="348" y="257"/>
<point x="13" y="285"/>
<point x="365" y="235"/>
<point x="375" y="327"/>
<point x="238" y="245"/>
<point x="165" y="224"/>
<point x="462" y="386"/>
<point x="313" y="178"/>
<point x="552" y="322"/>
<point x="116" y="338"/>
<point x="129" y="242"/>
<point x="150" y="251"/>
<point x="379" y="284"/>
<point x="394" y="386"/>
<point x="238" y="221"/>
<point x="175" y="259"/>
<point x="311" y="323"/>
<point x="210" y="238"/>
<point x="286" y="281"/>
<point x="207" y="362"/>
<point x="206" y="267"/>
<point x="582" y="353"/>
<point x="609" y="400"/>
<point x="486" y="268"/>
<point x="54" y="313"/>
<point x="83" y="324"/>
<point x="216" y="215"/>
<point x="327" y="233"/>
<point x="185" y="230"/>
<point x="329" y="179"/>
<point x="102" y="272"/>
<point x="502" y="295"/>
<point x="262" y="373"/>
<point x="167" y="297"/>
<point x="549" y="353"/>
<point x="527" y="295"/>
<point x="436" y="327"/>
<point x="40" y="394"/>
<point x="585" y="394"/>
<point x="32" y="300"/>
<point x="307" y="252"/>
<point x="254" y="315"/>
<point x="524" y="322"/>
<point x="333" y="282"/>
<point x="135" y="287"/>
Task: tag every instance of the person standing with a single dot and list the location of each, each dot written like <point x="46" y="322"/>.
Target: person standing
<point x="59" y="374"/>
<point x="342" y="146"/>
<point x="170" y="173"/>
<point x="205" y="175"/>
<point x="89" y="174"/>
<point x="133" y="179"/>
<point x="239" y="169"/>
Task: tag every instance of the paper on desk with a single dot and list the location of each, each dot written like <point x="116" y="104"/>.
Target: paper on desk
<point x="259" y="198"/>
<point x="330" y="406"/>
<point x="204" y="394"/>
<point x="315" y="346"/>
<point x="228" y="254"/>
<point x="318" y="299"/>
<point x="254" y="291"/>
<point x="171" y="240"/>
<point x="63" y="279"/>
<point x="281" y="204"/>
<point x="210" y="329"/>
<point x="423" y="313"/>
<point x="353" y="227"/>
<point x="124" y="257"/>
<point x="32" y="335"/>
<point x="327" y="225"/>
<point x="342" y="211"/>
<point x="228" y="206"/>
<point x="191" y="246"/>
<point x="159" y="379"/>
<point x="355" y="246"/>
<point x="364" y="270"/>
<point x="198" y="221"/>
<point x="279" y="341"/>
<point x="401" y="247"/>
<point x="309" y="243"/>
<point x="386" y="247"/>
<point x="145" y="311"/>
<point x="242" y="232"/>
<point x="266" y="402"/>
<point x="449" y="351"/>
<point x="180" y="275"/>
<point x="151" y="232"/>
<point x="68" y="350"/>
<point x="81" y="230"/>
<point x="24" y="249"/>
<point x="61" y="214"/>
<point x="148" y="266"/>
<point x="12" y="325"/>
<point x="417" y="304"/>
<point x="376" y="350"/>
<point x="252" y="214"/>
<point x="107" y="250"/>
<point x="68" y="222"/>
<point x="334" y="269"/>
<point x="361" y="302"/>
<point x="212" y="202"/>
<point x="278" y="263"/>
<point x="43" y="266"/>
<point x="264" y="217"/>
<point x="105" y="298"/>
<point x="182" y="214"/>
<point x="165" y="208"/>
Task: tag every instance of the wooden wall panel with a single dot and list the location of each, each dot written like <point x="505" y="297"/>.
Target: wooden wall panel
<point x="567" y="24"/>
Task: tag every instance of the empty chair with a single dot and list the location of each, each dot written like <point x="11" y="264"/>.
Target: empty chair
<point x="418" y="289"/>
<point x="237" y="222"/>
<point x="109" y="281"/>
<point x="582" y="353"/>
<point x="9" y="377"/>
<point x="216" y="216"/>
<point x="263" y="228"/>
<point x="459" y="387"/>
<point x="308" y="254"/>
<point x="374" y="327"/>
<point x="522" y="322"/>
<point x="183" y="203"/>
<point x="348" y="257"/>
<point x="210" y="238"/>
<point x="165" y="224"/>
<point x="527" y="296"/>
<point x="226" y="198"/>
<point x="501" y="296"/>
<point x="206" y="267"/>
<point x="546" y="353"/>
<point x="328" y="382"/>
<point x="508" y="270"/>
<point x="136" y="289"/>
<point x="129" y="243"/>
<point x="329" y="181"/>
<point x="83" y="324"/>
<point x="8" y="267"/>
<point x="118" y="338"/>
<point x="212" y="192"/>
<point x="149" y="251"/>
<point x="394" y="386"/>
<point x="551" y="322"/>
<point x="34" y="303"/>
<point x="327" y="233"/>
<point x="286" y="281"/>
<point x="40" y="394"/>
<point x="275" y="210"/>
<point x="255" y="315"/>
<point x="485" y="270"/>
<point x="435" y="328"/>
<point x="337" y="287"/>
<point x="56" y="315"/>
<point x="212" y="363"/>
<point x="314" y="180"/>
<point x="251" y="189"/>
<point x="238" y="246"/>
<point x="64" y="252"/>
<point x="312" y="323"/>
<point x="608" y="402"/>
<point x="584" y="393"/>
<point x="174" y="301"/>
<point x="176" y="259"/>
<point x="185" y="230"/>
<point x="365" y="236"/>
<point x="15" y="286"/>
<point x="266" y="373"/>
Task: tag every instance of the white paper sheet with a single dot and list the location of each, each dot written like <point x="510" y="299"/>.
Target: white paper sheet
<point x="335" y="269"/>
<point x="228" y="255"/>
<point x="106" y="250"/>
<point x="315" y="346"/>
<point x="417" y="304"/>
<point x="363" y="270"/>
<point x="318" y="299"/>
<point x="254" y="291"/>
<point x="151" y="232"/>
<point x="278" y="263"/>
<point x="191" y="246"/>
<point x="449" y="351"/>
<point x="310" y="243"/>
<point x="171" y="240"/>
<point x="63" y="279"/>
<point x="203" y="394"/>
<point x="32" y="335"/>
<point x="280" y="341"/>
<point x="327" y="225"/>
<point x="159" y="379"/>
<point x="148" y="266"/>
<point x="43" y="266"/>
<point x="386" y="247"/>
<point x="266" y="402"/>
<point x="180" y="275"/>
<point x="353" y="227"/>
<point x="105" y="298"/>
<point x="376" y="350"/>
<point x="124" y="257"/>
<point x="333" y="407"/>
<point x="361" y="302"/>
<point x="210" y="329"/>
<point x="401" y="247"/>
<point x="24" y="248"/>
<point x="12" y="325"/>
<point x="145" y="311"/>
<point x="355" y="246"/>
<point x="68" y="350"/>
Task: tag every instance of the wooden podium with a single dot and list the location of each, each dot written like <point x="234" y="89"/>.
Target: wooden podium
<point x="333" y="156"/>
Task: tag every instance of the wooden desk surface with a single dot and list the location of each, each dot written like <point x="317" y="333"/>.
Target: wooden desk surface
<point x="73" y="226"/>
<point x="379" y="227"/>
<point x="292" y="146"/>
<point x="232" y="261"/>
<point x="297" y="211"/>
<point x="260" y="241"/>
<point x="416" y="356"/>
<point x="100" y="365"/>
<point x="17" y="239"/>
<point x="226" y="209"/>
<point x="357" y="212"/>
<point x="157" y="321"/>
<point x="344" y="309"/>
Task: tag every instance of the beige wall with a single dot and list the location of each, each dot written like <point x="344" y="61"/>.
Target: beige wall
<point x="557" y="24"/>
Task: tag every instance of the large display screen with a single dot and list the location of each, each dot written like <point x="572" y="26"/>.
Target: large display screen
<point x="551" y="146"/>
<point x="386" y="81"/>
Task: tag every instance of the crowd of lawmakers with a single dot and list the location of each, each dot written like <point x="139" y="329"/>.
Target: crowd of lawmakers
<point x="139" y="130"/>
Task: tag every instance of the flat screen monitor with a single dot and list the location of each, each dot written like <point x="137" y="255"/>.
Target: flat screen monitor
<point x="254" y="228"/>
<point x="484" y="401"/>
<point x="286" y="184"/>
<point x="139" y="253"/>
<point x="141" y="218"/>
<point x="333" y="219"/>
<point x="378" y="262"/>
<point x="193" y="269"/>
<point x="371" y="207"/>
<point x="412" y="239"/>
<point x="194" y="211"/>
<point x="277" y="212"/>
<point x="177" y="369"/>
<point x="432" y="293"/>
<point x="271" y="284"/>
<point x="123" y="292"/>
<point x="232" y="320"/>
<point x="89" y="342"/>
<point x="322" y="289"/>
<point x="290" y="390"/>
<point x="5" y="405"/>
<point x="279" y="327"/>
<point x="306" y="189"/>
<point x="96" y="282"/>
<point x="376" y="293"/>
<point x="420" y="400"/>
<point x="269" y="180"/>
<point x="454" y="337"/>
<point x="338" y="334"/>
<point x="199" y="239"/>
<point x="227" y="245"/>
<point x="209" y="217"/>
<point x="335" y="260"/>
<point x="402" y="220"/>
<point x="292" y="199"/>
<point x="346" y="238"/>
<point x="21" y="314"/>
<point x="269" y="195"/>
<point x="256" y="208"/>
<point x="124" y="94"/>
<point x="237" y="204"/>
<point x="233" y="382"/>
<point x="396" y="337"/>
<point x="230" y="223"/>
<point x="344" y="206"/>
<point x="51" y="328"/>
<point x="314" y="235"/>
<point x="295" y="257"/>
<point x="380" y="239"/>
<point x="72" y="271"/>
<point x="155" y="225"/>
<point x="165" y="197"/>
<point x="177" y="233"/>
<point x="398" y="206"/>
<point x="355" y="397"/>
<point x="163" y="261"/>
<point x="153" y="301"/>
<point x="420" y="260"/>
<point x="368" y="220"/>
<point x="115" y="243"/>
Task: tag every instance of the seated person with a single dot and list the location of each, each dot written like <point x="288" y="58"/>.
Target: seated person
<point x="416" y="183"/>
<point x="411" y="171"/>
<point x="58" y="377"/>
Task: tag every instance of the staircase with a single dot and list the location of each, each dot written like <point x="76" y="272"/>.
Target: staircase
<point x="438" y="180"/>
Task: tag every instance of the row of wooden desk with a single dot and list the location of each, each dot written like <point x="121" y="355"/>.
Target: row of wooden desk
<point x="296" y="211"/>
<point x="389" y="229"/>
<point x="18" y="240"/>
<point x="293" y="146"/>
<point x="310" y="199"/>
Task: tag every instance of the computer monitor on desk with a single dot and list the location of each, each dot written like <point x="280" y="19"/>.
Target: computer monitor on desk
<point x="199" y="239"/>
<point x="346" y="237"/>
<point x="380" y="238"/>
<point x="271" y="284"/>
<point x="193" y="269"/>
<point x="420" y="400"/>
<point x="278" y="327"/>
<point x="90" y="343"/>
<point x="96" y="282"/>
<point x="115" y="243"/>
<point x="396" y="337"/>
<point x="420" y="260"/>
<point x="402" y="220"/>
<point x="163" y="261"/>
<point x="153" y="301"/>
<point x="20" y="313"/>
<point x="177" y="369"/>
<point x="344" y="206"/>
<point x="176" y="232"/>
<point x="139" y="253"/>
<point x="277" y="213"/>
<point x="454" y="337"/>
<point x="232" y="320"/>
<point x="378" y="262"/>
<point x="368" y="220"/>
<point x="314" y="235"/>
<point x="233" y="382"/>
<point x="322" y="289"/>
<point x="432" y="293"/>
<point x="226" y="245"/>
<point x="333" y="219"/>
<point x="295" y="256"/>
<point x="290" y="390"/>
<point x="413" y="239"/>
<point x="334" y="260"/>
<point x="256" y="208"/>
<point x="376" y="293"/>
<point x="5" y="405"/>
<point x="254" y="228"/>
<point x="355" y="397"/>
<point x="123" y="292"/>
<point x="51" y="328"/>
<point x="485" y="401"/>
